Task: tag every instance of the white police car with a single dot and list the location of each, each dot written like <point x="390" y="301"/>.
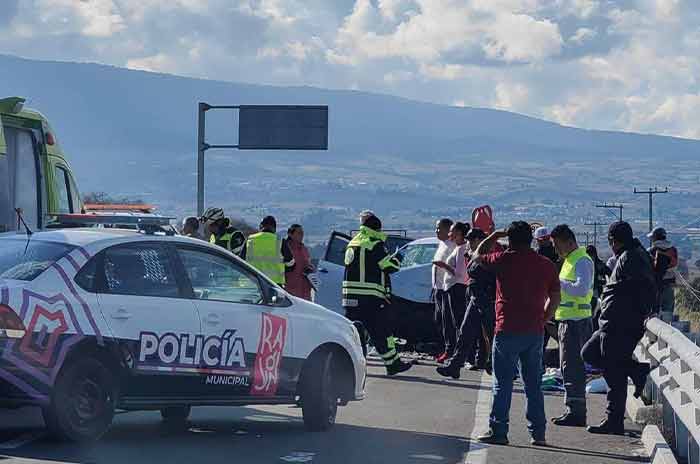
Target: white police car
<point x="92" y="321"/>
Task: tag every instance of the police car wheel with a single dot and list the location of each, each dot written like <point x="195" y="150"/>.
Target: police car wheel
<point x="82" y="402"/>
<point x="175" y="413"/>
<point x="319" y="394"/>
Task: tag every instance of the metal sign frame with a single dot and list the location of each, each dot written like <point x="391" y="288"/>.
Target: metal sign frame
<point x="315" y="118"/>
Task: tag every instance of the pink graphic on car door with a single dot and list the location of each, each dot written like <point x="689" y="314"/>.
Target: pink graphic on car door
<point x="268" y="359"/>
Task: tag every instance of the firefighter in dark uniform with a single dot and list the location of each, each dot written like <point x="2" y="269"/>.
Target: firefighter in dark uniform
<point x="221" y="232"/>
<point x="367" y="288"/>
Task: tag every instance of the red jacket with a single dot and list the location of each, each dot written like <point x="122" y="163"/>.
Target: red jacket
<point x="296" y="282"/>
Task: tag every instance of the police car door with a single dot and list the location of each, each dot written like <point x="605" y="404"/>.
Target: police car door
<point x="245" y="339"/>
<point x="143" y="303"/>
<point x="331" y="271"/>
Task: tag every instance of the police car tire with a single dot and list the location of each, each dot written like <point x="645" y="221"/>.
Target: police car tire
<point x="319" y="396"/>
<point x="82" y="386"/>
<point x="175" y="414"/>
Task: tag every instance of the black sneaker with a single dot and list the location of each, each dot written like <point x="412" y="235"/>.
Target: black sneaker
<point x="607" y="428"/>
<point x="449" y="370"/>
<point x="640" y="380"/>
<point x="492" y="439"/>
<point x="538" y="442"/>
<point x="570" y="420"/>
<point x="398" y="367"/>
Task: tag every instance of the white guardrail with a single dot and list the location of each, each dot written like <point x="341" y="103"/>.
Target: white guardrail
<point x="674" y="383"/>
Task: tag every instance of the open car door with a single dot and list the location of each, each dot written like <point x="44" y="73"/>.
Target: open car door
<point x="331" y="271"/>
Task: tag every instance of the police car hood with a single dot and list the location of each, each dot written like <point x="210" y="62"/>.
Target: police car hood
<point x="307" y="307"/>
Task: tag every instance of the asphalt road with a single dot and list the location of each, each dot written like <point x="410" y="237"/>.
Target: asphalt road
<point x="418" y="418"/>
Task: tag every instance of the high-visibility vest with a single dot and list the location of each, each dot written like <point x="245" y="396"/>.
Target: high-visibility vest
<point x="232" y="240"/>
<point x="574" y="307"/>
<point x="264" y="252"/>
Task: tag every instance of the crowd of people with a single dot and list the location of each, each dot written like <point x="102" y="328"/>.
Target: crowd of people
<point x="498" y="301"/>
<point x="561" y="290"/>
<point x="287" y="261"/>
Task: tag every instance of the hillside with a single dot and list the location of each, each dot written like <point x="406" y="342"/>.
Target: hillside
<point x="132" y="132"/>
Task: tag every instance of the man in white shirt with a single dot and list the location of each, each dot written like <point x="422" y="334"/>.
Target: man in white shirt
<point x="443" y="319"/>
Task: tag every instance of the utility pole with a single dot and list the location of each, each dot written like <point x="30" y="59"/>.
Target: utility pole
<point x="651" y="193"/>
<point x="607" y="205"/>
<point x="595" y="225"/>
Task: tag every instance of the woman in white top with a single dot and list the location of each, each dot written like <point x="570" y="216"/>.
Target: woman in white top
<point x="455" y="281"/>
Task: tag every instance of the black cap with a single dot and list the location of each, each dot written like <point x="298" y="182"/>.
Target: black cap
<point x="372" y="221"/>
<point x="475" y="234"/>
<point x="621" y="231"/>
<point x="269" y="221"/>
<point x="659" y="233"/>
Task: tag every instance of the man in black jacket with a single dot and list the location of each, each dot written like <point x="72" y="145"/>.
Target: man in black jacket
<point x="627" y="300"/>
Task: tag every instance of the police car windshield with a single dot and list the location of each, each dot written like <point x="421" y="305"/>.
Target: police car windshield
<point x="17" y="264"/>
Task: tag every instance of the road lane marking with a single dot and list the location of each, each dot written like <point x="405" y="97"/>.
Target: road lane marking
<point x="478" y="452"/>
<point x="23" y="439"/>
<point x="299" y="456"/>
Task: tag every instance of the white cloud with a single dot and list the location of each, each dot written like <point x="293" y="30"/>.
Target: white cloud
<point x="441" y="27"/>
<point x="518" y="37"/>
<point x="155" y="63"/>
<point x="631" y="65"/>
<point x="510" y="96"/>
<point x="91" y="18"/>
<point x="583" y="34"/>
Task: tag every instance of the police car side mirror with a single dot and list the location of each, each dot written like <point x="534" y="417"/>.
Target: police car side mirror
<point x="279" y="299"/>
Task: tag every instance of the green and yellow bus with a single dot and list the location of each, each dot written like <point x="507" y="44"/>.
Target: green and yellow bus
<point x="35" y="177"/>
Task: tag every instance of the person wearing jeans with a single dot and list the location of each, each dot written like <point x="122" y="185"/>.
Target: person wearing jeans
<point x="527" y="294"/>
<point x="508" y="349"/>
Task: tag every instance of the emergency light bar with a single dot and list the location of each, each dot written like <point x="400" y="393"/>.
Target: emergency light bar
<point x="90" y="219"/>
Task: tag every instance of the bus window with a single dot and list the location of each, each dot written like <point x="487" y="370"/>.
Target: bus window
<point x="76" y="204"/>
<point x="62" y="190"/>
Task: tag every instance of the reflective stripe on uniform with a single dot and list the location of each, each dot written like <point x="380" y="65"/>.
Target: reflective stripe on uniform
<point x="391" y="360"/>
<point x="364" y="285"/>
<point x="363" y="292"/>
<point x="357" y="260"/>
<point x="388" y="262"/>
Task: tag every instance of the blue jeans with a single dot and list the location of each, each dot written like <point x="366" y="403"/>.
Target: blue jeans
<point x="508" y="349"/>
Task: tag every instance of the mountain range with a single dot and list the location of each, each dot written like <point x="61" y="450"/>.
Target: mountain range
<point x="134" y="133"/>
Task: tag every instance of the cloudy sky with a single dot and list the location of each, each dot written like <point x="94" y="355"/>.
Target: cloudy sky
<point x="622" y="64"/>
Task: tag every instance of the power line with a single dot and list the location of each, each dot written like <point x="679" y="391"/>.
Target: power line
<point x="595" y="225"/>
<point x="651" y="194"/>
<point x="688" y="286"/>
<point x="609" y="206"/>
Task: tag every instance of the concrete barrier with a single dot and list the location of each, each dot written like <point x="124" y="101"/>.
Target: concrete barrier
<point x="674" y="384"/>
<point x="656" y="447"/>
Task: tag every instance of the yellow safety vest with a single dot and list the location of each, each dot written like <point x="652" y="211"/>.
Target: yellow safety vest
<point x="264" y="252"/>
<point x="573" y="307"/>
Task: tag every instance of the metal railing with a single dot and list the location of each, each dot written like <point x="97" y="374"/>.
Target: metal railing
<point x="674" y="383"/>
